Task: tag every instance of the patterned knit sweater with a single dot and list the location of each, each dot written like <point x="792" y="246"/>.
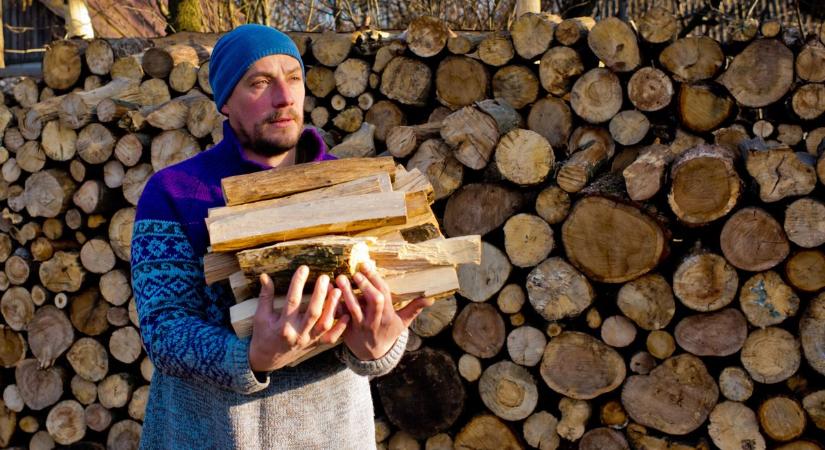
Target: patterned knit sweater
<point x="203" y="393"/>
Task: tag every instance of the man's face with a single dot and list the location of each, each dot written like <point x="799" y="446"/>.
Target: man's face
<point x="266" y="107"/>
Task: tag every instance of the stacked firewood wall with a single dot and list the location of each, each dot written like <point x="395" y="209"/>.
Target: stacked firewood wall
<point x="651" y="209"/>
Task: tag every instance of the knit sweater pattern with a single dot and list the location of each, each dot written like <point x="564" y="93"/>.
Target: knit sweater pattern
<point x="203" y="393"/>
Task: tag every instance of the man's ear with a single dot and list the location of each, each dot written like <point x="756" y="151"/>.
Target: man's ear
<point x="225" y="110"/>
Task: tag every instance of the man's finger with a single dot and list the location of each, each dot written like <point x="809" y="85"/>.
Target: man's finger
<point x="327" y="319"/>
<point x="378" y="281"/>
<point x="296" y="290"/>
<point x="374" y="299"/>
<point x="316" y="304"/>
<point x="333" y="335"/>
<point x="349" y="300"/>
<point x="266" y="297"/>
<point x="409" y="312"/>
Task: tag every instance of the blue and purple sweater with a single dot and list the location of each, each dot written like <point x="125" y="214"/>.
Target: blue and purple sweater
<point x="203" y="393"/>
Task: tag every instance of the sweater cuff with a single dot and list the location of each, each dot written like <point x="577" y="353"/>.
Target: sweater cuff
<point x="380" y="366"/>
<point x="248" y="381"/>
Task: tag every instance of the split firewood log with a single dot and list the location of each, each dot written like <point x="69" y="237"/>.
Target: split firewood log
<point x="780" y="173"/>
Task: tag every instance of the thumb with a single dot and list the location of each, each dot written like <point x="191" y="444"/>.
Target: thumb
<point x="266" y="297"/>
<point x="411" y="311"/>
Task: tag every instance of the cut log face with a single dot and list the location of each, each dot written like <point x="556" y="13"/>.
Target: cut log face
<point x="780" y="173"/>
<point x="553" y="204"/>
<point x="517" y="85"/>
<point x="761" y="74"/>
<point x="705" y="282"/>
<point x="812" y="333"/>
<point x="702" y="108"/>
<point x="552" y="119"/>
<point x="479" y="330"/>
<point x="805" y="270"/>
<point x="766" y="300"/>
<point x="88" y="313"/>
<point x="597" y="368"/>
<point x="805" y="222"/>
<point x="528" y="239"/>
<point x="596" y="96"/>
<point x="17" y="307"/>
<point x="351" y="77"/>
<point x="385" y="115"/>
<point x="720" y="333"/>
<point x="486" y="432"/>
<point x="657" y="26"/>
<point x="406" y="81"/>
<point x="62" y="65"/>
<point x="733" y="426"/>
<point x="753" y="240"/>
<point x="508" y="390"/>
<point x="808" y="101"/>
<point x="540" y="431"/>
<point x="637" y="242"/>
<point x="479" y="282"/>
<point x="771" y="355"/>
<point x="435" y="318"/>
<point x="524" y="157"/>
<point x="810" y="63"/>
<point x="735" y="384"/>
<point x="814" y="404"/>
<point x="427" y="36"/>
<point x="558" y="68"/>
<point x="474" y="135"/>
<point x="468" y="210"/>
<point x="647" y="301"/>
<point x="434" y="158"/>
<point x="705" y="185"/>
<point x="12" y="347"/>
<point x="614" y="43"/>
<point x="89" y="359"/>
<point x="66" y="422"/>
<point x="40" y="388"/>
<point x="496" y="50"/>
<point x="675" y="398"/>
<point x="532" y="33"/>
<point x="603" y="439"/>
<point x="618" y="331"/>
<point x="62" y="273"/>
<point x="693" y="58"/>
<point x="525" y="345"/>
<point x="557" y="290"/>
<point x="782" y="418"/>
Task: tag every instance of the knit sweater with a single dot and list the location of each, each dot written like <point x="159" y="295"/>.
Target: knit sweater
<point x="203" y="393"/>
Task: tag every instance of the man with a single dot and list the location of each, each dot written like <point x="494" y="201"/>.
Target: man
<point x="212" y="389"/>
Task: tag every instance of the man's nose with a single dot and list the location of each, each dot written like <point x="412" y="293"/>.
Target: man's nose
<point x="281" y="94"/>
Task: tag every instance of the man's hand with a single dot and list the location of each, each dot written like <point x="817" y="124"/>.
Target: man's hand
<point x="375" y="325"/>
<point x="279" y="339"/>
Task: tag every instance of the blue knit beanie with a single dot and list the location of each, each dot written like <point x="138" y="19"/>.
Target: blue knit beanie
<point x="237" y="50"/>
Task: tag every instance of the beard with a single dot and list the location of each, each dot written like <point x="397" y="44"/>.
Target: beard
<point x="269" y="146"/>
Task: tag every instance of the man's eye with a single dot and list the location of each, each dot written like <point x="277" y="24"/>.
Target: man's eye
<point x="260" y="83"/>
<point x="295" y="78"/>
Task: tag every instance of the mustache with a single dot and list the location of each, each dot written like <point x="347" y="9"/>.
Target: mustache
<point x="282" y="114"/>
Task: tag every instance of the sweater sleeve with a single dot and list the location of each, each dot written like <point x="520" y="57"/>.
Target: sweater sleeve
<point x="181" y="318"/>
<point x="377" y="367"/>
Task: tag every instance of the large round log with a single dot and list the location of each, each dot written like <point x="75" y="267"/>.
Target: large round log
<point x="733" y="426"/>
<point x="720" y="333"/>
<point x="753" y="240"/>
<point x="423" y="395"/>
<point x="558" y="68"/>
<point x="761" y="74"/>
<point x="88" y="312"/>
<point x="782" y="418"/>
<point x="636" y="241"/>
<point x="528" y="239"/>
<point x="705" y="185"/>
<point x="331" y="49"/>
<point x="771" y="355"/>
<point x="647" y="301"/>
<point x="40" y="388"/>
<point x="508" y="390"/>
<point x="427" y="36"/>
<point x="703" y="107"/>
<point x="614" y="43"/>
<point x="48" y="193"/>
<point x="766" y="300"/>
<point x="479" y="330"/>
<point x="50" y="334"/>
<point x="693" y="58"/>
<point x="62" y="65"/>
<point x="524" y="157"/>
<point x="406" y="81"/>
<point x="473" y="133"/>
<point x="551" y="118"/>
<point x="62" y="273"/>
<point x="705" y="281"/>
<point x="435" y="159"/>
<point x="469" y="210"/>
<point x="780" y="173"/>
<point x="579" y="366"/>
<point x="89" y="359"/>
<point x="517" y="85"/>
<point x="675" y="398"/>
<point x="66" y="422"/>
<point x="597" y="95"/>
<point x="385" y="115"/>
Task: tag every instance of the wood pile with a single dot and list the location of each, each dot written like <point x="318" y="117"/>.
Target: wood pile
<point x="651" y="212"/>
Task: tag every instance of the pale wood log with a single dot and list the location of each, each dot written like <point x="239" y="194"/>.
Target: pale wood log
<point x="62" y="65"/>
<point x="13" y="139"/>
<point x="17" y="201"/>
<point x="406" y="81"/>
<point x="644" y="177"/>
<point x="525" y="345"/>
<point x="618" y="331"/>
<point x="113" y="174"/>
<point x="135" y="180"/>
<point x="479" y="330"/>
<point x="129" y="148"/>
<point x="128" y="67"/>
<point x="147" y="368"/>
<point x="486" y="432"/>
<point x="629" y="127"/>
<point x="98" y="417"/>
<point x="89" y="359"/>
<point x="540" y="431"/>
<point x="115" y="390"/>
<point x="30" y="157"/>
<point x="511" y="298"/>
<point x="812" y="333"/>
<point x="25" y="92"/>
<point x="12" y="347"/>
<point x="115" y="288"/>
<point x="734" y="426"/>
<point x="74" y="220"/>
<point x="648" y="301"/>
<point x="62" y="273"/>
<point x="50" y="335"/>
<point x="52" y="229"/>
<point x="158" y="62"/>
<point x="95" y="143"/>
<point x="572" y="30"/>
<point x="675" y="398"/>
<point x="440" y="441"/>
<point x="782" y="418"/>
<point x="532" y="34"/>
<point x="517" y="85"/>
<point x="435" y="318"/>
<point x="789" y="134"/>
<point x="556" y="290"/>
<point x="577" y="171"/>
<point x="125" y="344"/>
<point x="705" y="281"/>
<point x="385" y="115"/>
<point x="461" y="81"/>
<point x="66" y="422"/>
<point x="30" y="425"/>
<point x="40" y="388"/>
<point x="124" y="435"/>
<point x="170" y="114"/>
<point x="319" y="116"/>
<point x="41" y="440"/>
<point x="409" y="401"/>
<point x="508" y="390"/>
<point x="720" y="333"/>
<point x="496" y="49"/>
<point x="766" y="300"/>
<point x="473" y="134"/>
<point x="359" y="144"/>
<point x="351" y="77"/>
<point x="528" y="239"/>
<point x="331" y="49"/>
<point x="614" y="43"/>
<point x="443" y="171"/>
<point x="154" y="91"/>
<point x="705" y="185"/>
<point x="59" y="142"/>
<point x="805" y="270"/>
<point x="657" y="26"/>
<point x="479" y="282"/>
<point x="805" y="222"/>
<point x="99" y="57"/>
<point x="17" y="307"/>
<point x="469" y="367"/>
<point x="599" y="368"/>
<point x="402" y="440"/>
<point x="396" y="257"/>
<point x="780" y="173"/>
<point x="97" y="256"/>
<point x="12" y="399"/>
<point x="118" y="316"/>
<point x="427" y="36"/>
<point x="553" y="204"/>
<point x="767" y="65"/>
<point x="763" y="129"/>
<point x="596" y="96"/>
<point x="630" y="232"/>
<point x="183" y="76"/>
<point x="88" y="313"/>
<point x="660" y="344"/>
<point x="110" y="109"/>
<point x="771" y="355"/>
<point x="42" y="249"/>
<point x="558" y="68"/>
<point x="693" y="58"/>
<point x="120" y="232"/>
<point x="203" y="78"/>
<point x="77" y="170"/>
<point x="171" y="147"/>
<point x="735" y="384"/>
<point x="137" y="405"/>
<point x="93" y="197"/>
<point x="753" y="240"/>
<point x="303" y="177"/>
<point x="524" y="157"/>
